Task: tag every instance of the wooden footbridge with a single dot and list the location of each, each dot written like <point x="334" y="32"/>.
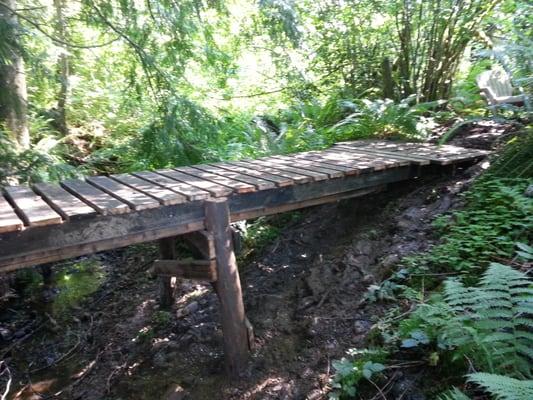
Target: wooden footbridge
<point x="51" y="222"/>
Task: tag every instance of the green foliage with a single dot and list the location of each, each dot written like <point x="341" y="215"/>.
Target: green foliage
<point x="515" y="161"/>
<point x="161" y="319"/>
<point x="490" y="323"/>
<point x="42" y="162"/>
<point x="503" y="387"/>
<point x="496" y="216"/>
<point x="350" y="372"/>
<point x="382" y="118"/>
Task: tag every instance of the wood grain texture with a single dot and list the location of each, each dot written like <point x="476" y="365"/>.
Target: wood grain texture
<point x="236" y="185"/>
<point x="163" y="195"/>
<point x="202" y="270"/>
<point x="273" y="163"/>
<point x="78" y="237"/>
<point x="294" y="177"/>
<point x="437" y="154"/>
<point x="191" y="192"/>
<point x="309" y="165"/>
<point x="228" y="288"/>
<point x="278" y="180"/>
<point x="258" y="183"/>
<point x="135" y="199"/>
<point x="213" y="188"/>
<point x="104" y="203"/>
<point x="9" y="220"/>
<point x="64" y="203"/>
<point x="32" y="208"/>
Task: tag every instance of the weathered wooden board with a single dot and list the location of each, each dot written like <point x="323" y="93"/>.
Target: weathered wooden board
<point x="32" y="208"/>
<point x="191" y="192"/>
<point x="309" y="165"/>
<point x="261" y="202"/>
<point x="78" y="237"/>
<point x="362" y="165"/>
<point x="383" y="153"/>
<point x="314" y="156"/>
<point x="163" y="195"/>
<point x="276" y="179"/>
<point x="437" y="154"/>
<point x="64" y="203"/>
<point x="213" y="188"/>
<point x="294" y="177"/>
<point x="273" y="163"/>
<point x="135" y="199"/>
<point x="235" y="185"/>
<point x="9" y="221"/>
<point x="258" y="183"/>
<point x="104" y="203"/>
<point x="385" y="161"/>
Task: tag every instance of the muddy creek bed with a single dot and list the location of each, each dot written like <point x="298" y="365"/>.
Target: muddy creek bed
<point x="51" y="222"/>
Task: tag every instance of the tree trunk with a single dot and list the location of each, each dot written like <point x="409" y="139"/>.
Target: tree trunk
<point x="63" y="68"/>
<point x="386" y="77"/>
<point x="14" y="97"/>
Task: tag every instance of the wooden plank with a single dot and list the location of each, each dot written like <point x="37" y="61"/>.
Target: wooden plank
<point x="191" y="192"/>
<point x="294" y="177"/>
<point x="304" y="203"/>
<point x="104" y="203"/>
<point x="203" y="270"/>
<point x="309" y="165"/>
<point x="235" y="185"/>
<point x="214" y="188"/>
<point x="437" y="154"/>
<point x="78" y="237"/>
<point x="315" y="157"/>
<point x="9" y="220"/>
<point x="392" y="155"/>
<point x="362" y="165"/>
<point x="278" y="180"/>
<point x="163" y="195"/>
<point x="266" y="162"/>
<point x="135" y="199"/>
<point x="387" y="160"/>
<point x="32" y="209"/>
<point x="228" y="288"/>
<point x="64" y="203"/>
<point x="258" y="183"/>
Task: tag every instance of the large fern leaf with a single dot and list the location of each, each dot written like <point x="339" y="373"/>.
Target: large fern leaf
<point x="503" y="387"/>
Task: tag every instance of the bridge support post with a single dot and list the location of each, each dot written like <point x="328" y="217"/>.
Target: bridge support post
<point x="228" y="288"/>
<point x="167" y="251"/>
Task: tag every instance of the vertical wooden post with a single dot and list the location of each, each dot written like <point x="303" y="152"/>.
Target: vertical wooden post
<point x="228" y="288"/>
<point x="167" y="251"/>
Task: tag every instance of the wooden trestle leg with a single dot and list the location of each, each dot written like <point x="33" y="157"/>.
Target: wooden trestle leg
<point x="167" y="251"/>
<point x="228" y="288"/>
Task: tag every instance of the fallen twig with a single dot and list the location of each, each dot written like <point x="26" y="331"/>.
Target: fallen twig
<point x="9" y="379"/>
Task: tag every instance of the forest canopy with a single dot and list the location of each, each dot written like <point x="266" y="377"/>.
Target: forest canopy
<point x="105" y="86"/>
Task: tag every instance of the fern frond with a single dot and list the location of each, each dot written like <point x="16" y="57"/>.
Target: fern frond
<point x="502" y="387"/>
<point x="453" y="394"/>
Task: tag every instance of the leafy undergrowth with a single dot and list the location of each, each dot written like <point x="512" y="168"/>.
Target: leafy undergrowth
<point x="474" y="327"/>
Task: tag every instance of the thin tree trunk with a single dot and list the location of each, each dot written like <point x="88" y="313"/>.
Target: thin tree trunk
<point x="14" y="99"/>
<point x="63" y="67"/>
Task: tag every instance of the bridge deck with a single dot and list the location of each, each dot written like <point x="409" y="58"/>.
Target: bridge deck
<point x="49" y="222"/>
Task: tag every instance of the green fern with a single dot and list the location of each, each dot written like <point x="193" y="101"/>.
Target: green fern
<point x="453" y="394"/>
<point x="503" y="387"/>
<point x="495" y="317"/>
